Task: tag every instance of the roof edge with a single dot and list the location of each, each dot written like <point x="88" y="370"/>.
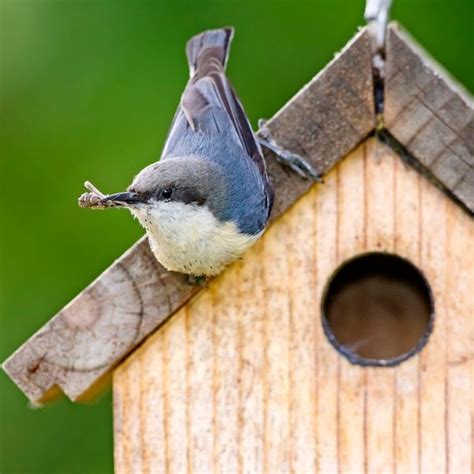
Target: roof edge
<point x="431" y="115"/>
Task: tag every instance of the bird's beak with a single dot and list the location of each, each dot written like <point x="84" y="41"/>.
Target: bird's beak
<point x="123" y="199"/>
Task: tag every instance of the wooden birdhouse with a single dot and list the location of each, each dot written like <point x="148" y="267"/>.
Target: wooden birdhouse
<point x="343" y="341"/>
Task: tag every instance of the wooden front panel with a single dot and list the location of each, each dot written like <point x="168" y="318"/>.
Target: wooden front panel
<point x="243" y="379"/>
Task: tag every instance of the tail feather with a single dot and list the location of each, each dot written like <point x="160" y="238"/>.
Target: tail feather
<point x="208" y="46"/>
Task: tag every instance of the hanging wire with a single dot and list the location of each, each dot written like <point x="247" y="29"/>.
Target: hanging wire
<point x="376" y="15"/>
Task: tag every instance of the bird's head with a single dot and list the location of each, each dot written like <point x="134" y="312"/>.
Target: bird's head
<point x="172" y="189"/>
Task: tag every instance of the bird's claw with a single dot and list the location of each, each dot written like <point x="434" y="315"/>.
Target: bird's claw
<point x="295" y="162"/>
<point x="198" y="281"/>
<point x="299" y="165"/>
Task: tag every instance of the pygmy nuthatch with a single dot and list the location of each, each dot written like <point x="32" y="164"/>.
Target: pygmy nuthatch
<point x="209" y="197"/>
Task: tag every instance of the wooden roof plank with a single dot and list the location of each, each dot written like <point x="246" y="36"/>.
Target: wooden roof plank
<point x="429" y="114"/>
<point x="135" y="295"/>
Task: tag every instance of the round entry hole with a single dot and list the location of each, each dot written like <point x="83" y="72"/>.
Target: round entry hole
<point x="378" y="309"/>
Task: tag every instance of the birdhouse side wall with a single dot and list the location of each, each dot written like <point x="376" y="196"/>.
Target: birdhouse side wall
<point x="243" y="377"/>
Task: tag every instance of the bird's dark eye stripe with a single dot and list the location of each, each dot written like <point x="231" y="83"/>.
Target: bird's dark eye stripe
<point x="144" y="195"/>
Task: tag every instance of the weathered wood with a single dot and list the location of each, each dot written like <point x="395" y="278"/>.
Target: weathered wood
<point x="406" y="393"/>
<point x="433" y="252"/>
<point x="431" y="115"/>
<point x="272" y="395"/>
<point x="324" y="240"/>
<point x="380" y="234"/>
<point x="351" y="239"/>
<point x="77" y="347"/>
<point x="95" y="330"/>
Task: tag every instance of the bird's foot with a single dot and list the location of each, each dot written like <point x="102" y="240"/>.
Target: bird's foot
<point x="194" y="280"/>
<point x="295" y="162"/>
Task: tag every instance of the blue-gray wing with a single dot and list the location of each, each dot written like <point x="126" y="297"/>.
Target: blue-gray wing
<point x="202" y="104"/>
<point x="210" y="120"/>
<point x="209" y="106"/>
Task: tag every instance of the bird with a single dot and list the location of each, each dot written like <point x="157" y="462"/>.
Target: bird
<point x="209" y="197"/>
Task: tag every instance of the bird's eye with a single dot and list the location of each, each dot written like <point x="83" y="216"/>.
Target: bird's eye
<point x="166" y="193"/>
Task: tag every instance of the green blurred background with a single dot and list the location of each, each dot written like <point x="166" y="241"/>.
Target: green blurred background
<point x="87" y="91"/>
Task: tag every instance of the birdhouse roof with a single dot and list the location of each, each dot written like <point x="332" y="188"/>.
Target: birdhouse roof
<point x="425" y="117"/>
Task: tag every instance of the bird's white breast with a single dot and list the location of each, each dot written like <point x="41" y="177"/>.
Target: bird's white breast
<point x="188" y="238"/>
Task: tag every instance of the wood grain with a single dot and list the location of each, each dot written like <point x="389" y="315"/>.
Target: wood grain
<point x="406" y="393"/>
<point x="351" y="239"/>
<point x="432" y="382"/>
<point x="324" y="238"/>
<point x="430" y="114"/>
<point x="90" y="336"/>
<point x="271" y="394"/>
<point x="380" y="235"/>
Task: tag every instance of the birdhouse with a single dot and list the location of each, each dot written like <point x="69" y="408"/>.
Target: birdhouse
<point x="343" y="340"/>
